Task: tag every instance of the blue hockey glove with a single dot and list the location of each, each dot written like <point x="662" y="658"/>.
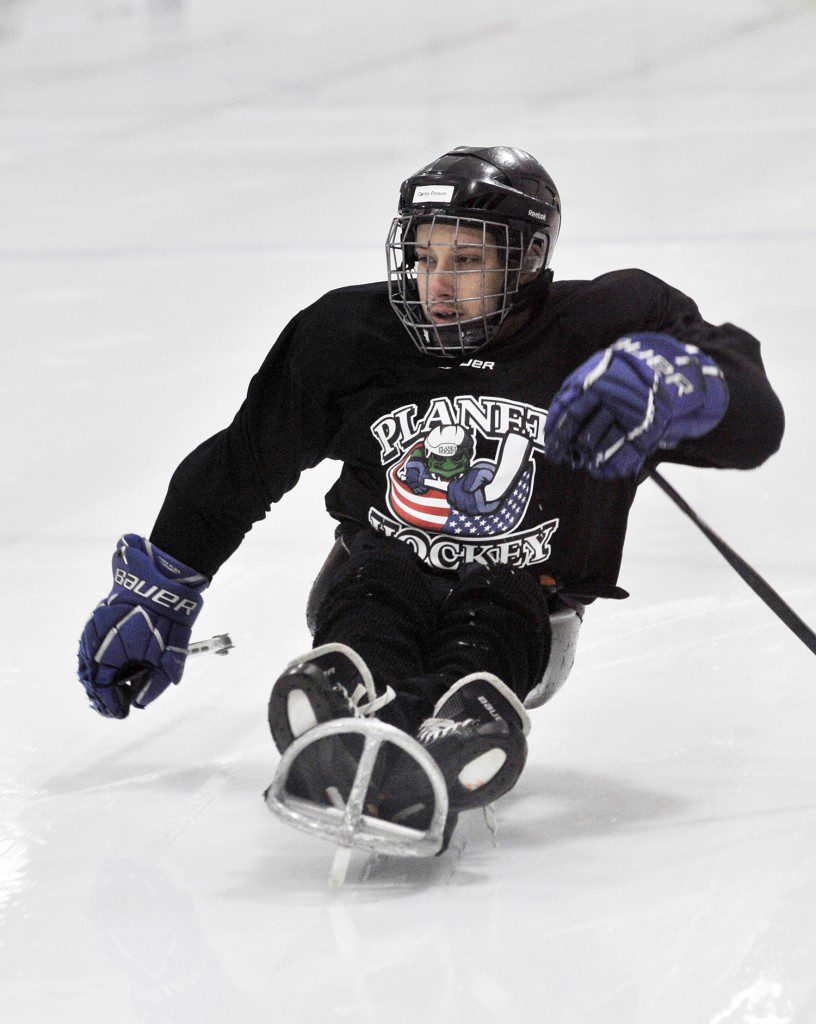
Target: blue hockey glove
<point x="466" y="493"/>
<point x="135" y="643"/>
<point x="644" y="392"/>
<point x="416" y="472"/>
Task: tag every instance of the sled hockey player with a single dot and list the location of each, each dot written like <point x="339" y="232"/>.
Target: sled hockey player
<point x="493" y="426"/>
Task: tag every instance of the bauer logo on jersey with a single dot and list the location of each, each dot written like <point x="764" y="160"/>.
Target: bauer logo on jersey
<point x="459" y="480"/>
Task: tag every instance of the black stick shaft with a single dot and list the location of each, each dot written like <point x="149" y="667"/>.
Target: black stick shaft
<point x="759" y="586"/>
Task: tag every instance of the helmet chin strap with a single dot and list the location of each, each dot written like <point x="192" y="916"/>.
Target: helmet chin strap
<point x="456" y="341"/>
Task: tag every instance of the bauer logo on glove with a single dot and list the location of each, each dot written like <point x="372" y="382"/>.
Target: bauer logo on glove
<point x="160" y="596"/>
<point x="622" y="405"/>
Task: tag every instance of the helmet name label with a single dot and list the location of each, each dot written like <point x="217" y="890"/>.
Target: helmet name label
<point x="433" y="194"/>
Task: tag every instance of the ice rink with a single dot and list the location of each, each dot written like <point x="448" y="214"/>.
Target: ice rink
<point x="177" y="179"/>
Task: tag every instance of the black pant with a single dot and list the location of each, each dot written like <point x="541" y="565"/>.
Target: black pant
<point x="419" y="629"/>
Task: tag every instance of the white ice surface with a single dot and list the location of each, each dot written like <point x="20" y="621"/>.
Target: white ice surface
<point x="176" y="180"/>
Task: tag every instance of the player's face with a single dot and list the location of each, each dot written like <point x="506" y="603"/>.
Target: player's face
<point x="458" y="276"/>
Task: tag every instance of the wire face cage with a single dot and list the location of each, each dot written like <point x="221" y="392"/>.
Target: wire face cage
<point x="452" y="280"/>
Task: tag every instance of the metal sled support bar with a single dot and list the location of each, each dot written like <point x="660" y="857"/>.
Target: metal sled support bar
<point x="347" y="824"/>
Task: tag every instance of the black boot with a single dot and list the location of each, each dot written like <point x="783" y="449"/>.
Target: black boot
<point x="477" y="736"/>
<point x="329" y="682"/>
<point x="333" y="682"/>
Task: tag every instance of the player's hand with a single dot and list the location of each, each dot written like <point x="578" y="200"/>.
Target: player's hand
<point x="135" y="643"/>
<point x="466" y="493"/>
<point x="644" y="392"/>
<point x="416" y="473"/>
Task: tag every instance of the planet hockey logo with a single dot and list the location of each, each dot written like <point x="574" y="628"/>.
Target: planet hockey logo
<point x="460" y="479"/>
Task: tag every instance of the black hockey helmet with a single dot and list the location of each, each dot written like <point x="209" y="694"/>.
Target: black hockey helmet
<point x="513" y="205"/>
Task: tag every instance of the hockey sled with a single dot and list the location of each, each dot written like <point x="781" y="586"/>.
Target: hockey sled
<point x="345" y="822"/>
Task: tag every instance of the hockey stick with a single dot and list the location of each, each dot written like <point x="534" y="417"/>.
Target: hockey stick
<point x="759" y="586"/>
<point x="221" y="645"/>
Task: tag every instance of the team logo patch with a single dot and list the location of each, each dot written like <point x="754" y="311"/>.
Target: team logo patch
<point x="459" y="480"/>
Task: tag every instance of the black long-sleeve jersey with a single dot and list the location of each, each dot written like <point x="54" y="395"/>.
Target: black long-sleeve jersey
<point x="345" y="382"/>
